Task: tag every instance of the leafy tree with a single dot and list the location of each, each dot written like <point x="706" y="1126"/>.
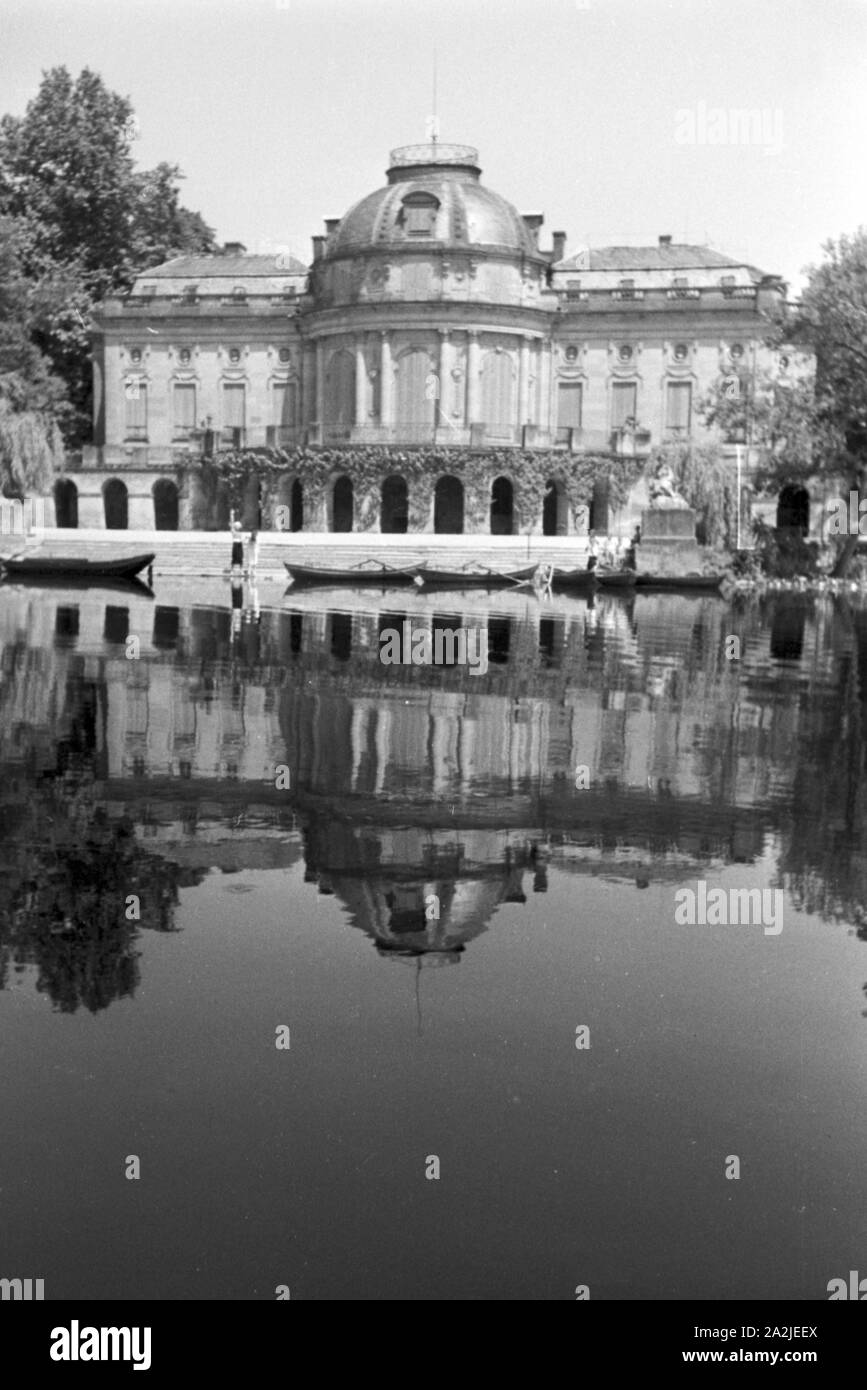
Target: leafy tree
<point x="86" y="221"/>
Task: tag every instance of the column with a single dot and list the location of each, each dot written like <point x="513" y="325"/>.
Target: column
<point x="446" y="395"/>
<point x="386" y="382"/>
<point x="320" y="383"/>
<point x="308" y="385"/>
<point x="524" y="381"/>
<point x="473" y="378"/>
<point x="360" y="383"/>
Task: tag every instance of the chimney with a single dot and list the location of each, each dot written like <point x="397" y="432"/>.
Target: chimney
<point x="234" y="248"/>
<point x="558" y="240"/>
<point x="318" y="247"/>
<point x="665" y="241"/>
<point x="331" y="225"/>
<point x="533" y="221"/>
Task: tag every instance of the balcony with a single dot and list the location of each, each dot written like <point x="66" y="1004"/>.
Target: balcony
<point x="233" y="437"/>
<point x="283" y="436"/>
<point x="630" y="442"/>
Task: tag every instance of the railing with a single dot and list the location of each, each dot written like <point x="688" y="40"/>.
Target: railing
<point x="433" y="153"/>
<point x="233" y="437"/>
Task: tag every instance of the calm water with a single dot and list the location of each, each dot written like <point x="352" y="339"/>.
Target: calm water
<point x="153" y="779"/>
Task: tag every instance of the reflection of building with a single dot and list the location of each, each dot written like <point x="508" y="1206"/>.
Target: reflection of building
<point x="430" y="316"/>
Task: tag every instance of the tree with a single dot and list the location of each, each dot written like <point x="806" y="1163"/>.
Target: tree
<point x="832" y="319"/>
<point x="87" y="222"/>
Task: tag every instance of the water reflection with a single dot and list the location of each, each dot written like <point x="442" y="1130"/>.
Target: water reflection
<point x="423" y="798"/>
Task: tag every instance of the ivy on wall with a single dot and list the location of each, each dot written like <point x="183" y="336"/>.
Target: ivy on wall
<point x="530" y="472"/>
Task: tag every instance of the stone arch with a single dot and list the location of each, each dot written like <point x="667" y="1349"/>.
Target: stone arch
<point x="339" y="402"/>
<point x="115" y="501"/>
<point x="66" y="503"/>
<point x="554" y="509"/>
<point x="394" y="517"/>
<point x="449" y="506"/>
<point x="498" y="404"/>
<point x="502" y="507"/>
<point x="296" y="506"/>
<point x="793" y="509"/>
<point x="415" y="394"/>
<point x="165" y="494"/>
<point x="342" y="504"/>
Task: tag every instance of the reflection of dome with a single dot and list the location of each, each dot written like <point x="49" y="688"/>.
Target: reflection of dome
<point x="416" y="893"/>
<point x="433" y="194"/>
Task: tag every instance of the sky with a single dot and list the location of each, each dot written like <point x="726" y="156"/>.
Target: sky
<point x="611" y="117"/>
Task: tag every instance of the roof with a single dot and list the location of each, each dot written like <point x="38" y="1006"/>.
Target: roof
<point x="233" y="267"/>
<point x="680" y="256"/>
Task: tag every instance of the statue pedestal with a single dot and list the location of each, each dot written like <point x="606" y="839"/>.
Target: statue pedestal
<point x="668" y="546"/>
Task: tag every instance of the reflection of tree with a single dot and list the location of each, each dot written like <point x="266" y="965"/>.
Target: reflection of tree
<point x="69" y="873"/>
<point x="823" y="864"/>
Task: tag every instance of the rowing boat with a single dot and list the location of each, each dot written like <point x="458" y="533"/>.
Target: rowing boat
<point x="383" y="577"/>
<point x="480" y="578"/>
<point x="704" y="582"/>
<point x="61" y="568"/>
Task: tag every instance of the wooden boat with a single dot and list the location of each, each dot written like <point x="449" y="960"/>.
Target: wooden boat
<point x="575" y="579"/>
<point x="481" y="578"/>
<point x="62" y="568"/>
<point x="382" y="577"/>
<point x="707" y="583"/>
<point x="616" y="579"/>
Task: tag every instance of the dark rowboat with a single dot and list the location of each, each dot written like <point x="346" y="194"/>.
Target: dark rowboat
<point x="616" y="579"/>
<point x="707" y="583"/>
<point x="61" y="568"/>
<point x="474" y="579"/>
<point x="575" y="579"/>
<point x="383" y="577"/>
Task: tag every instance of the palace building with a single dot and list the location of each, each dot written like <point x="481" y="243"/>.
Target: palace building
<point x="431" y="321"/>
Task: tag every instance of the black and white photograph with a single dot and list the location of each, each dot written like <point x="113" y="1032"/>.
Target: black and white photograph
<point x="433" y="662"/>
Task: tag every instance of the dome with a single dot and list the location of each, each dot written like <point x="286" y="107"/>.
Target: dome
<point x="433" y="196"/>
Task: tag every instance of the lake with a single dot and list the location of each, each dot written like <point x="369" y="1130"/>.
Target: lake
<point x="373" y="981"/>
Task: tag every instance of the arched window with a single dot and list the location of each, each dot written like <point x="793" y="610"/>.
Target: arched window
<point x="116" y="504"/>
<point x="418" y="214"/>
<point x="341" y="514"/>
<point x="416" y="394"/>
<point x="66" y="503"/>
<point x="296" y="506"/>
<point x="395" y="506"/>
<point x="449" y="506"/>
<point x="554" y="510"/>
<point x="499" y="406"/>
<point x="793" y="509"/>
<point x="502" y="508"/>
<point x="165" y="505"/>
<point x="339" y="401"/>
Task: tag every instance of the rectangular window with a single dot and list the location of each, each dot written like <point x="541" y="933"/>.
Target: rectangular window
<point x="678" y="407"/>
<point x="623" y="403"/>
<point x="234" y="411"/>
<point x="183" y="410"/>
<point x="135" y="410"/>
<point x="283" y="404"/>
<point x="569" y="402"/>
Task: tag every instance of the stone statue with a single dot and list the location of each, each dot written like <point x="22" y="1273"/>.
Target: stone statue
<point x="663" y="491"/>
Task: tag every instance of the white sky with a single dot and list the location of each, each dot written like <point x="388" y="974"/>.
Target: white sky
<point x="282" y="112"/>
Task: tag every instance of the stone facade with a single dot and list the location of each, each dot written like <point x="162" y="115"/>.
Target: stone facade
<point x="429" y="317"/>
